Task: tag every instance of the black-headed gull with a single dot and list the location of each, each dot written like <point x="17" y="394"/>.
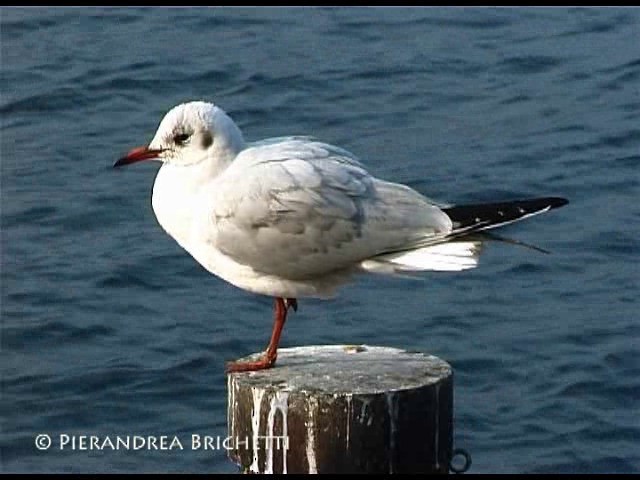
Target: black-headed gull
<point x="295" y="217"/>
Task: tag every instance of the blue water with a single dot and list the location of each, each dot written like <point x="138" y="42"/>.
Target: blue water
<point x="109" y="328"/>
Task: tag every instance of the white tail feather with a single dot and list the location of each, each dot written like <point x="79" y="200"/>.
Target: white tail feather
<point x="452" y="256"/>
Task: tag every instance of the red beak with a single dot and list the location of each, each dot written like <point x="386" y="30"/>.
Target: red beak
<point x="138" y="155"/>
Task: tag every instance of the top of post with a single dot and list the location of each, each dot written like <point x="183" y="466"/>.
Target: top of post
<point x="348" y="369"/>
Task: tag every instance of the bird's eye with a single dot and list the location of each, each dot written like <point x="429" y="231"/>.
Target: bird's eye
<point x="181" y="138"/>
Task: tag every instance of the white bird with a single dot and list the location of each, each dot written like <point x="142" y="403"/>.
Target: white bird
<point x="295" y="217"/>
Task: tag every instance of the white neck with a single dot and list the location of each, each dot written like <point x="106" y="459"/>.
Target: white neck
<point x="175" y="195"/>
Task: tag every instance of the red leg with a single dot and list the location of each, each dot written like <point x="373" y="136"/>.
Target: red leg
<point x="281" y="307"/>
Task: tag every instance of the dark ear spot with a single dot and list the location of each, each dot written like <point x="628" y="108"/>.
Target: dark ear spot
<point x="207" y="140"/>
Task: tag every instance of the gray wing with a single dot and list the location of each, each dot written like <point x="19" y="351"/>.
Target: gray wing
<point x="298" y="208"/>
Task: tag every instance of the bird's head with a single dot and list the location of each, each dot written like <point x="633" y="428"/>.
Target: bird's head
<point x="190" y="134"/>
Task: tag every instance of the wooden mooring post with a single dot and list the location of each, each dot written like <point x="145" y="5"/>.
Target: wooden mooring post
<point x="343" y="409"/>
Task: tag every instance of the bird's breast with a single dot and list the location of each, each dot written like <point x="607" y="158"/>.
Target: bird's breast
<point x="173" y="204"/>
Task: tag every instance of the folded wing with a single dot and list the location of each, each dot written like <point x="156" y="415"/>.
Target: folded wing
<point x="297" y="208"/>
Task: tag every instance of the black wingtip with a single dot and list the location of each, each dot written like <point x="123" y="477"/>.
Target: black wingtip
<point x="557" y="202"/>
<point x="479" y="217"/>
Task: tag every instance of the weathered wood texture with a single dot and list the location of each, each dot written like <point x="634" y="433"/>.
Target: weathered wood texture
<point x="343" y="409"/>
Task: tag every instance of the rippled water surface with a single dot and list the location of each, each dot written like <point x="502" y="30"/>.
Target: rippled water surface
<point x="108" y="327"/>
